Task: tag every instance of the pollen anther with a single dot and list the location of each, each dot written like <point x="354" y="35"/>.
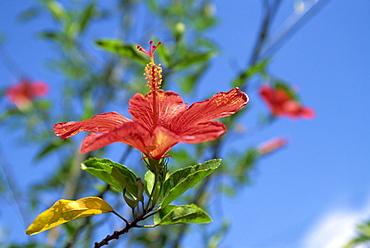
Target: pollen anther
<point x="153" y="76"/>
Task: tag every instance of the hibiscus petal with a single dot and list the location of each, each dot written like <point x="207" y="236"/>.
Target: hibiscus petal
<point x="267" y="94"/>
<point x="133" y="133"/>
<point x="203" y="132"/>
<point x="307" y="113"/>
<point x="168" y="105"/>
<point x="163" y="140"/>
<point x="295" y="110"/>
<point x="291" y="109"/>
<point x="274" y="99"/>
<point x="39" y="89"/>
<point x="99" y="123"/>
<point x="281" y="95"/>
<point x="220" y="105"/>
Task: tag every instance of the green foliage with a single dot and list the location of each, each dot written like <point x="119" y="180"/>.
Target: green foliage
<point x="249" y="72"/>
<point x="50" y="147"/>
<point x="117" y="47"/>
<point x="191" y="59"/>
<point x="243" y="163"/>
<point x="86" y="15"/>
<point x="28" y="14"/>
<point x="56" y="9"/>
<point x="189" y="82"/>
<point x="285" y="86"/>
<point x="363" y="236"/>
<point x="116" y="175"/>
<point x="29" y="245"/>
<point x="183" y="179"/>
<point x="172" y="214"/>
<point x="149" y="179"/>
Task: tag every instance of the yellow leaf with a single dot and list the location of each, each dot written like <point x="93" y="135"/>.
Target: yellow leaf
<point x="64" y="210"/>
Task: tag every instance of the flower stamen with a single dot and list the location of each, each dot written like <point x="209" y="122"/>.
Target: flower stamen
<point x="153" y="76"/>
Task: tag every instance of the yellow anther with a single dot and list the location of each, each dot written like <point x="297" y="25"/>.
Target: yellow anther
<point x="153" y="76"/>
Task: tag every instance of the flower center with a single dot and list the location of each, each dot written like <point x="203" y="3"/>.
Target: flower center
<point x="153" y="77"/>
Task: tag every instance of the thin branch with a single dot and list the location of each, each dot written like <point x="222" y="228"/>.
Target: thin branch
<point x="295" y="21"/>
<point x="117" y="234"/>
<point x="125" y="154"/>
<point x="13" y="187"/>
<point x="263" y="34"/>
<point x="119" y="216"/>
<point x="11" y="64"/>
<point x="77" y="232"/>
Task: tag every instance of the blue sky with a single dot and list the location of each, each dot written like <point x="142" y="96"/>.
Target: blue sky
<point x="326" y="167"/>
<point x="320" y="182"/>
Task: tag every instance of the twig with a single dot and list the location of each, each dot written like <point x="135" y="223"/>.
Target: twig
<point x="11" y="64"/>
<point x="125" y="154"/>
<point x="291" y="25"/>
<point x="117" y="234"/>
<point x="263" y="34"/>
<point x="119" y="216"/>
<point x="13" y="187"/>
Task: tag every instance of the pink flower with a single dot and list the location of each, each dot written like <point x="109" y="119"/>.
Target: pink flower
<point x="272" y="145"/>
<point x="25" y="91"/>
<point x="281" y="103"/>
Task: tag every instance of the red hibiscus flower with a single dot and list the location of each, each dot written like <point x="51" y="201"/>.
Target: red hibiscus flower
<point x="281" y="103"/>
<point x="25" y="91"/>
<point x="160" y="119"/>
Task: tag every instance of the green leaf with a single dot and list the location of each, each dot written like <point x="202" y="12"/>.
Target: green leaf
<point x="140" y="189"/>
<point x="56" y="9"/>
<point x="28" y="14"/>
<point x="183" y="179"/>
<point x="126" y="50"/>
<point x="362" y="237"/>
<point x="189" y="82"/>
<point x="257" y="68"/>
<point x="51" y="35"/>
<point x="139" y="196"/>
<point x="279" y="84"/>
<point x="193" y="58"/>
<point x="132" y="203"/>
<point x="64" y="210"/>
<point x="49" y="148"/>
<point x="149" y="179"/>
<point x="86" y="16"/>
<point x="164" y="54"/>
<point x="114" y="174"/>
<point x="181" y="214"/>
